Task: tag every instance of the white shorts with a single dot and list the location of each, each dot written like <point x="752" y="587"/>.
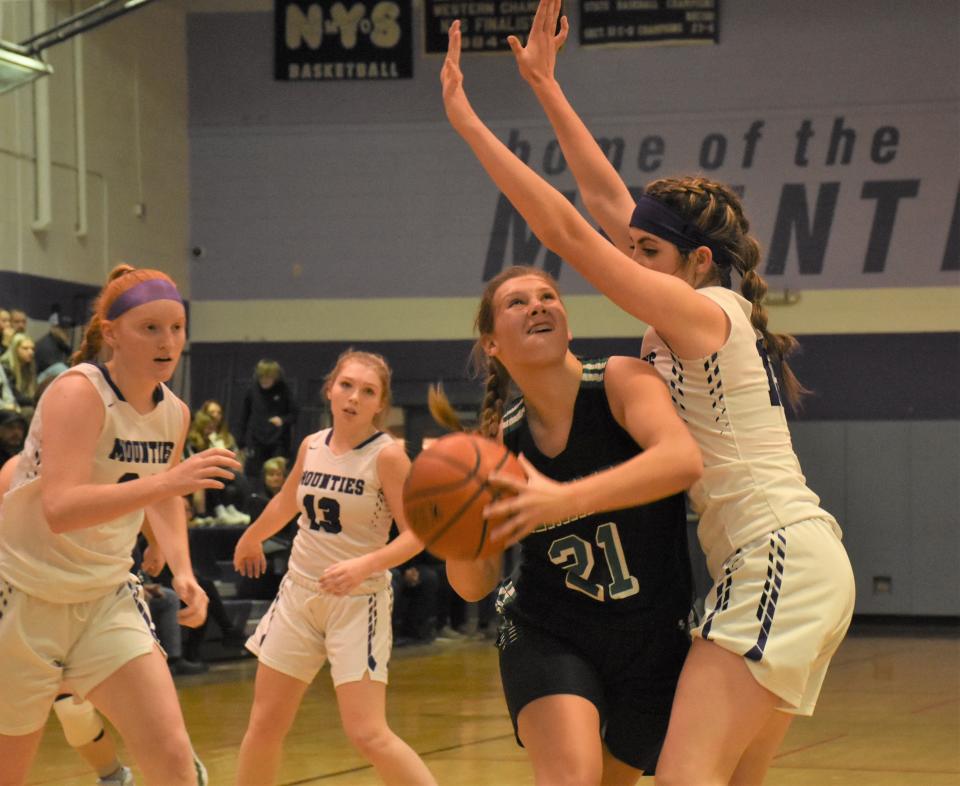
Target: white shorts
<point x="304" y="627"/>
<point x="44" y="646"/>
<point x="784" y="603"/>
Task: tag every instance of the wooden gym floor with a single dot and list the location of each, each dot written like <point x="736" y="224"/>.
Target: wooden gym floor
<point x="889" y="715"/>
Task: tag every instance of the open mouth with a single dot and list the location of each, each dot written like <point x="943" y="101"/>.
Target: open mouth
<point x="541" y="328"/>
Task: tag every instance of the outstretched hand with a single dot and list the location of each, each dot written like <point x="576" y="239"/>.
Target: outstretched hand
<point x="539" y="500"/>
<point x="538" y="58"/>
<point x="451" y="79"/>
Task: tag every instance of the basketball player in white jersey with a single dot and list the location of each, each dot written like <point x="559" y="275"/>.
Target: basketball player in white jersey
<point x="334" y="602"/>
<point x="784" y="589"/>
<point x="103" y="448"/>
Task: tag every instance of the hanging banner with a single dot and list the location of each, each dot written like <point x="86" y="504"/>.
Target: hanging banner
<point x="620" y="22"/>
<point x="334" y="41"/>
<point x="485" y="25"/>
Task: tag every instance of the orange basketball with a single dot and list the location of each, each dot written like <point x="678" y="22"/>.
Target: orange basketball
<point x="447" y="490"/>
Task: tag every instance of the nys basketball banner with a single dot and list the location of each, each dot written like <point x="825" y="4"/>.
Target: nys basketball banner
<point x="485" y="25"/>
<point x="351" y="40"/>
<point x="621" y="22"/>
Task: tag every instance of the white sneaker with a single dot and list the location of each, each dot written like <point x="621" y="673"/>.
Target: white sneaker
<point x="238" y="516"/>
<point x="221" y="515"/>
<point x="122" y="777"/>
<point x="202" y="779"/>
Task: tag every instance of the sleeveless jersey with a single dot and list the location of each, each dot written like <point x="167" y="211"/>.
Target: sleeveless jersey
<point x="343" y="511"/>
<point x="751" y="484"/>
<point x="617" y="568"/>
<point x="85" y="564"/>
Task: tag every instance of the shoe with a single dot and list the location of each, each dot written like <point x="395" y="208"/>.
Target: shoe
<point x="122" y="777"/>
<point x="182" y="666"/>
<point x="239" y="517"/>
<point x="446" y="632"/>
<point x="202" y="779"/>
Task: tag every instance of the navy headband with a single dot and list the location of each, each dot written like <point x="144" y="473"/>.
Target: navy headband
<point x="652" y="216"/>
<point x="144" y="292"/>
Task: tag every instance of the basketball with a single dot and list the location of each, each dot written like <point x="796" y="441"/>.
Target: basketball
<point x="447" y="490"/>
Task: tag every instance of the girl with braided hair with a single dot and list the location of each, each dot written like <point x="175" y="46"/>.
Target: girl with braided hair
<point x="784" y="589"/>
<point x="103" y="450"/>
<point x="592" y="628"/>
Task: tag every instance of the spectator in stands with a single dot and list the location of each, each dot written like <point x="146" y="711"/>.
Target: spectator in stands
<point x="21" y="370"/>
<point x="220" y="437"/>
<point x="6" y="330"/>
<point x="416" y="589"/>
<point x="269" y="413"/>
<point x="55" y="347"/>
<point x="7" y="399"/>
<point x="225" y="504"/>
<point x="18" y="320"/>
<point x="13" y="431"/>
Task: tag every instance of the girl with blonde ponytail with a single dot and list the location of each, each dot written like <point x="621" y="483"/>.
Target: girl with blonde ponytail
<point x="592" y="626"/>
<point x="784" y="589"/>
<point x="102" y="453"/>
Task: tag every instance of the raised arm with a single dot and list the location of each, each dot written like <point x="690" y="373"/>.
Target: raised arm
<point x="688" y="321"/>
<point x="604" y="193"/>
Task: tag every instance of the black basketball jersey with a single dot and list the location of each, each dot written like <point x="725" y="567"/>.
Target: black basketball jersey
<point x="619" y="567"/>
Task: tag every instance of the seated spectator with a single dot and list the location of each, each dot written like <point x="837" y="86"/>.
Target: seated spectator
<point x="6" y="330"/>
<point x="21" y="371"/>
<point x="269" y="413"/>
<point x="416" y="588"/>
<point x="55" y="347"/>
<point x="7" y="399"/>
<point x="164" y="605"/>
<point x="18" y="320"/>
<point x="226" y="505"/>
<point x="272" y="476"/>
<point x="220" y="437"/>
<point x="13" y="432"/>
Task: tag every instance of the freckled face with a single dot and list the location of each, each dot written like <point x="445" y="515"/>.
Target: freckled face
<point x="149" y="338"/>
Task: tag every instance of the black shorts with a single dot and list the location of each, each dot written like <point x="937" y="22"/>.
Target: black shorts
<point x="629" y="676"/>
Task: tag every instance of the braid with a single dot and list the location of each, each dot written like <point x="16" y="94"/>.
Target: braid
<point x="717" y="211"/>
<point x="491" y="411"/>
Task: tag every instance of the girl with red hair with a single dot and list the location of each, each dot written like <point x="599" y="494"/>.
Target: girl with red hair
<point x="103" y="450"/>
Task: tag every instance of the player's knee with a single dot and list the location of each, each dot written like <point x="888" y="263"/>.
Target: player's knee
<point x="80" y="721"/>
<point x="369" y="738"/>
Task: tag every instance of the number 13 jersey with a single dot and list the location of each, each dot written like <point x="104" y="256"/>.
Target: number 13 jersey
<point x="343" y="510"/>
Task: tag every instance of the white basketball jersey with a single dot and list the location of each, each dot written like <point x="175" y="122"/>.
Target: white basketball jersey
<point x="751" y="484"/>
<point x="343" y="511"/>
<point x="87" y="563"/>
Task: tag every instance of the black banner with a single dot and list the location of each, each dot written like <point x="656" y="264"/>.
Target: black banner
<point x="351" y="39"/>
<point x="485" y="23"/>
<point x="648" y="22"/>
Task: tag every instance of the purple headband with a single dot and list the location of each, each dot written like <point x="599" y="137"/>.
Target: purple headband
<point x="144" y="292"/>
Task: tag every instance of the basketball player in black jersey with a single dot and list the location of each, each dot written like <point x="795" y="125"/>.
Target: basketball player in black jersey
<point x="593" y="628"/>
